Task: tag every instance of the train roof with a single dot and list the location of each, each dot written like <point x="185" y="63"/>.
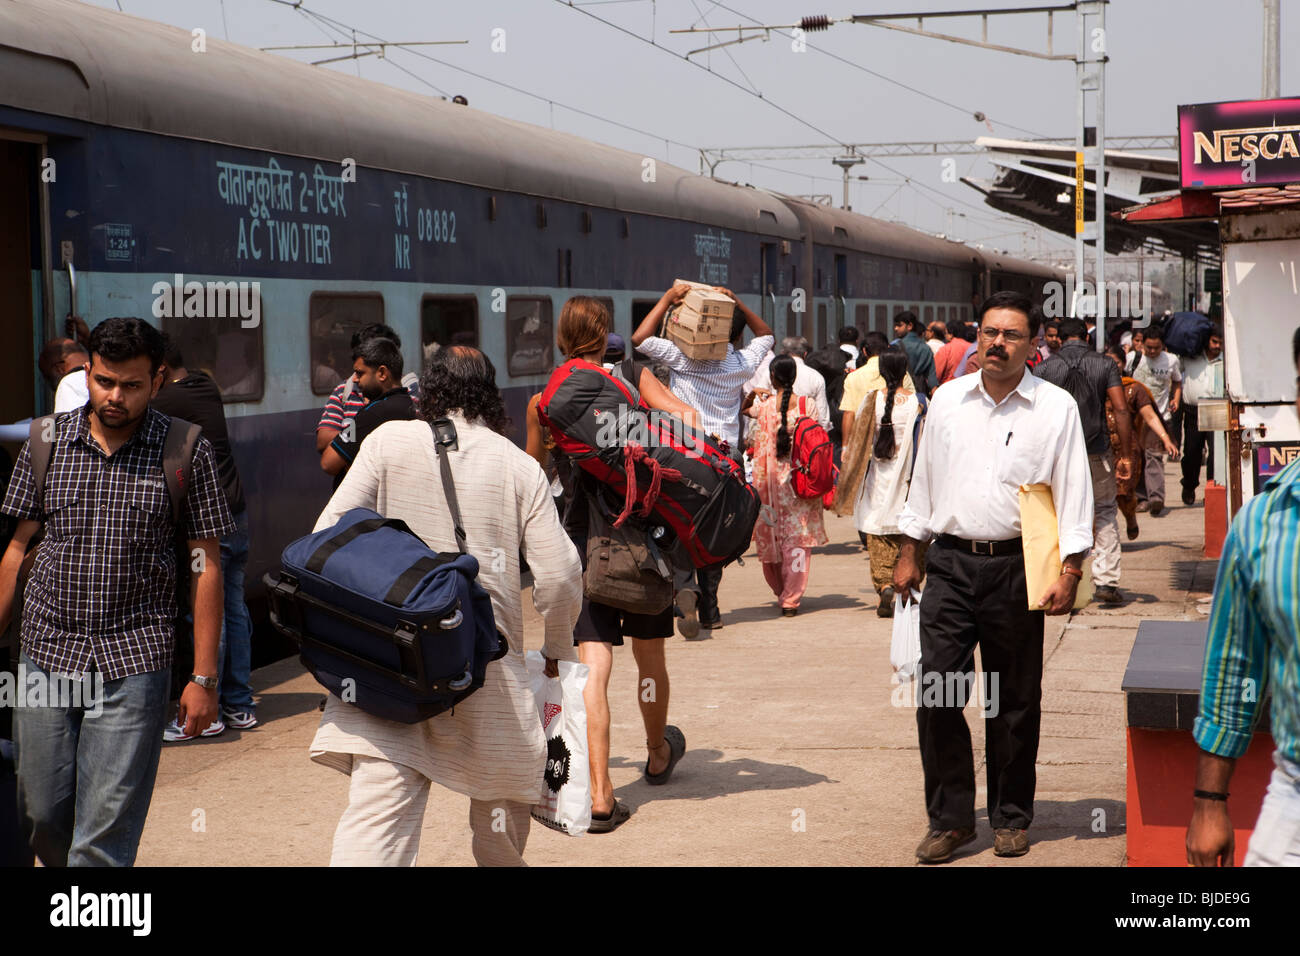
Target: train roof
<point x="69" y="59"/>
<point x="829" y="226"/>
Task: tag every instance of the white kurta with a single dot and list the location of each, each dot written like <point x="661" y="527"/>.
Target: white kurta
<point x="884" y="490"/>
<point x="492" y="747"/>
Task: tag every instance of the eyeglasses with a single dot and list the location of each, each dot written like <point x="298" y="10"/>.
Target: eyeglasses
<point x="990" y="334"/>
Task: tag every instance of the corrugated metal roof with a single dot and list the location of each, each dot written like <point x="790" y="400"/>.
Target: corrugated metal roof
<point x="73" y="60"/>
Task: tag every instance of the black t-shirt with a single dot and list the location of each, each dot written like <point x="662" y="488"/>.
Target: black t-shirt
<point x="197" y="399"/>
<point x="395" y="405"/>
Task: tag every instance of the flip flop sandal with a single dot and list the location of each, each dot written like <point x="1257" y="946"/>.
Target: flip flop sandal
<point x="617" y="816"/>
<point x="676" y="748"/>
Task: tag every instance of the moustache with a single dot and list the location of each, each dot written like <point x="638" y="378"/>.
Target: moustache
<point x="997" y="351"/>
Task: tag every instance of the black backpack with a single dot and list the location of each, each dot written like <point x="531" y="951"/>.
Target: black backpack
<point x="1091" y="412"/>
<point x="829" y="362"/>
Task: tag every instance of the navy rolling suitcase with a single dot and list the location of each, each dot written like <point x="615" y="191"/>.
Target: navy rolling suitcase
<point x="383" y="621"/>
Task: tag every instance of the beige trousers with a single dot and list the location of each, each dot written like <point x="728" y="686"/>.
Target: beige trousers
<point x="381" y="825"/>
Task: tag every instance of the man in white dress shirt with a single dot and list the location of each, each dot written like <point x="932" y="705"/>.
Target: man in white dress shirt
<point x="808" y="382"/>
<point x="989" y="434"/>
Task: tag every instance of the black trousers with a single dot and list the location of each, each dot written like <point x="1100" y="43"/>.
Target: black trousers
<point x="1197" y="447"/>
<point x="971" y="599"/>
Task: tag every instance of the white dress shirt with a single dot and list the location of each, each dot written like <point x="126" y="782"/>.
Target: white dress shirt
<point x="975" y="455"/>
<point x="713" y="387"/>
<point x="72" y="392"/>
<point x="808" y="383"/>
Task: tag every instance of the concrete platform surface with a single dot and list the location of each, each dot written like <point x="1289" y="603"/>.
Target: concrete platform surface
<point x="798" y="752"/>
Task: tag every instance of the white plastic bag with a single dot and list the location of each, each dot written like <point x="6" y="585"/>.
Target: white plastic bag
<point x="566" y="799"/>
<point x="905" y="647"/>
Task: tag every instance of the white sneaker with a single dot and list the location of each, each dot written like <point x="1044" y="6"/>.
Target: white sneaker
<point x="175" y="731"/>
<point x="239" y="719"/>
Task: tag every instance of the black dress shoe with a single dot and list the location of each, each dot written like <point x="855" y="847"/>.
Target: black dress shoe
<point x="1189" y="496"/>
<point x="1108" y="594"/>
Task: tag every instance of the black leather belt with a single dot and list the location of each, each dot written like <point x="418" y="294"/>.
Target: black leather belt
<point x="992" y="549"/>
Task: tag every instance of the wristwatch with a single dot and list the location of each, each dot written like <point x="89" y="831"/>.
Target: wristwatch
<point x="207" y="683"/>
<point x="1073" y="572"/>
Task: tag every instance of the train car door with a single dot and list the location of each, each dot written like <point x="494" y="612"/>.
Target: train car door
<point x="19" y="261"/>
<point x="767" y="281"/>
<point x="841" y="293"/>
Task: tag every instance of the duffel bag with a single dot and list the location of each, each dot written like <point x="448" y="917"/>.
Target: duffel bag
<point x="383" y="621"/>
<point x="658" y="465"/>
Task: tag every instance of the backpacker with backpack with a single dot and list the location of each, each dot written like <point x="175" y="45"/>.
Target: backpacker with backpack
<point x="1084" y="392"/>
<point x="657" y="464"/>
<point x="382" y="620"/>
<point x="829" y="362"/>
<point x="1187" y="333"/>
<point x="812" y="458"/>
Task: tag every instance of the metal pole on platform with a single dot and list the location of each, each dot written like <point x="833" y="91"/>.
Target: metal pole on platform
<point x="1100" y="191"/>
<point x="1078" y="159"/>
<point x="1271" y="60"/>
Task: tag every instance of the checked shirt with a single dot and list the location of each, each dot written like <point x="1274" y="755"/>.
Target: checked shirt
<point x="102" y="589"/>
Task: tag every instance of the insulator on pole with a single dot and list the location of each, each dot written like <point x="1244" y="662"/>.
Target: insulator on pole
<point x="813" y="24"/>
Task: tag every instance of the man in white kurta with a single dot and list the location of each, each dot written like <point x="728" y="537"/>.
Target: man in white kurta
<point x="492" y="747"/>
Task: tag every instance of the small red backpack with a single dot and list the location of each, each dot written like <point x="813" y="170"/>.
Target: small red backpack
<point x="812" y="458"/>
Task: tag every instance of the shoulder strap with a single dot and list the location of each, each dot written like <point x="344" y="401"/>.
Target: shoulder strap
<point x="40" y="448"/>
<point x="444" y="437"/>
<point x="178" y="462"/>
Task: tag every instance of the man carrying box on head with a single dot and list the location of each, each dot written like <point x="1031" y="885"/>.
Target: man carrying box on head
<point x="716" y="388"/>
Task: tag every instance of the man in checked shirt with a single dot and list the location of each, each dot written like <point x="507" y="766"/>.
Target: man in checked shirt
<point x="100" y="602"/>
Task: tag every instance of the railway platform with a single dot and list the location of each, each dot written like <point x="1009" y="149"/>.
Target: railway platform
<point x="800" y="750"/>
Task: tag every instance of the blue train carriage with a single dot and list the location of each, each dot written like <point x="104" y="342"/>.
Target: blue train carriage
<point x="262" y="210"/>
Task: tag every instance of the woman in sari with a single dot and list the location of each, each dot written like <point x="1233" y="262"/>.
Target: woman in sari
<point x="877" y="470"/>
<point x="1148" y="430"/>
<point x="788" y="527"/>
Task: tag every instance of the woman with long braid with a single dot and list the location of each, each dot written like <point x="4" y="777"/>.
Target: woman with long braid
<point x="788" y="527"/>
<point x="878" y="469"/>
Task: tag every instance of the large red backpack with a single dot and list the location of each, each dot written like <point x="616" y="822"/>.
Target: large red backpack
<point x="657" y="464"/>
<point x="812" y="459"/>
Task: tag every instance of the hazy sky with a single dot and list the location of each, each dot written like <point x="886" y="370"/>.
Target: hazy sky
<point x="1162" y="53"/>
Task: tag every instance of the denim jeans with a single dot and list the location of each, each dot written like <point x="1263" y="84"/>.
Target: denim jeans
<point x="1276" y="840"/>
<point x="236" y="651"/>
<point x="84" y="779"/>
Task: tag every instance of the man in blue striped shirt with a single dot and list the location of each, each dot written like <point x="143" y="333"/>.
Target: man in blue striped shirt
<point x="1254" y="639"/>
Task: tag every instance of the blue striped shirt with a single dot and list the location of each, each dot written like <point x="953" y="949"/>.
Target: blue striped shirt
<point x="1254" y="632"/>
<point x="713" y="387"/>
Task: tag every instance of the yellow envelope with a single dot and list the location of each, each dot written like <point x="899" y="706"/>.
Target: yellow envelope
<point x="1042" y="543"/>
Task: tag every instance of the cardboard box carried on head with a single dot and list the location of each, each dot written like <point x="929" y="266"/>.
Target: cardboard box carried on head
<point x="701" y="325"/>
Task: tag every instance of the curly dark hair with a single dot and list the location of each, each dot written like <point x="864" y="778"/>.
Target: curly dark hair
<point x="461" y="378"/>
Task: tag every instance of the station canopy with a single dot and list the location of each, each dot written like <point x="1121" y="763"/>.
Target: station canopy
<point x="1035" y="181"/>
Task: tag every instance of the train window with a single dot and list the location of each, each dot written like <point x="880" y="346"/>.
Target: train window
<point x="218" y="344"/>
<point x="821" y="325"/>
<point x="882" y="318"/>
<point x="608" y="303"/>
<point x="529" y="336"/>
<point x="334" y="317"/>
<point x="447" y="320"/>
<point x="943" y="313"/>
<point x="640" y="309"/>
<point x="929" y="314"/>
<point x="862" y="318"/>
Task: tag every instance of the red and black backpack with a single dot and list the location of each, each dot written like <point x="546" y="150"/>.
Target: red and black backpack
<point x="659" y="465"/>
<point x="812" y="458"/>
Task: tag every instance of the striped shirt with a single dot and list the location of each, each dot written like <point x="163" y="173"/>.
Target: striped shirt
<point x="714" y="387"/>
<point x="1254" y="632"/>
<point x="346" y="400"/>
<point x="102" y="589"/>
